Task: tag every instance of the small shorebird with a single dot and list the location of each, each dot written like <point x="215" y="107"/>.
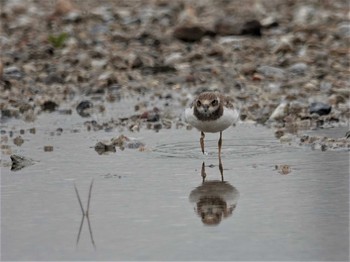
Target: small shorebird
<point x="211" y="112"/>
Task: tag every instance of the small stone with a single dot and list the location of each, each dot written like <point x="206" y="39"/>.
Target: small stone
<point x="298" y="69"/>
<point x="18" y="141"/>
<point x="135" y="145"/>
<point x="343" y="30"/>
<point x="49" y="106"/>
<point x="13" y="72"/>
<point x="173" y="58"/>
<point x="320" y="108"/>
<point x="48" y="148"/>
<point x="272" y="72"/>
<point x="286" y="138"/>
<point x="189" y="33"/>
<point x="63" y="7"/>
<point x="252" y="27"/>
<point x="279" y="133"/>
<point x="84" y="107"/>
<point x="157" y="126"/>
<point x="53" y="79"/>
<point x="280" y="111"/>
<point x="32" y="130"/>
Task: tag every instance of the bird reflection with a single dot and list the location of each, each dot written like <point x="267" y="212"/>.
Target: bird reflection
<point x="214" y="199"/>
<point x="85" y="214"/>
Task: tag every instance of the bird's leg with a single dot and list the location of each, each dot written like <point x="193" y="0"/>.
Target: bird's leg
<point x="203" y="172"/>
<point x="220" y="144"/>
<point x="220" y="163"/>
<point x="221" y="169"/>
<point x="202" y="141"/>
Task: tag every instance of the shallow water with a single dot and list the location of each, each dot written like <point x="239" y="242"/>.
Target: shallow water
<point x="144" y="204"/>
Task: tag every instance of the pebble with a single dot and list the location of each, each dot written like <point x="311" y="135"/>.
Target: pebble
<point x="320" y="108"/>
<point x="286" y="138"/>
<point x="18" y="140"/>
<point x="280" y="111"/>
<point x="189" y="33"/>
<point x="83" y="108"/>
<point x="49" y="106"/>
<point x="48" y="148"/>
<point x="273" y="72"/>
<point x="252" y="27"/>
<point x="135" y="145"/>
<point x="298" y="69"/>
<point x="343" y="30"/>
<point x="13" y="72"/>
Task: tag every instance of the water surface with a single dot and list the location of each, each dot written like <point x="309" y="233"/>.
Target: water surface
<point x="144" y="205"/>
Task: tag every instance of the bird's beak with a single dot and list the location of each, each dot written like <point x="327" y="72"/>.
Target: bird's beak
<point x="206" y="108"/>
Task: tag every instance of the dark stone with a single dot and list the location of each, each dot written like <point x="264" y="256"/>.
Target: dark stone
<point x="53" y="78"/>
<point x="157" y="126"/>
<point x="252" y="27"/>
<point x="157" y="69"/>
<point x="153" y="117"/>
<point x="189" y="33"/>
<point x="83" y="107"/>
<point x="320" y="108"/>
<point x="49" y="106"/>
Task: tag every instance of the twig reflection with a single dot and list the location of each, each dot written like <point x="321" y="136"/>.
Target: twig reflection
<point x="85" y="214"/>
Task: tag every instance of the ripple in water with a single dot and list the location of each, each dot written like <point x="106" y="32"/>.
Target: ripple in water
<point x="243" y="148"/>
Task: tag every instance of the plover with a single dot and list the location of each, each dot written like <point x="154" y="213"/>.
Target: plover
<point x="211" y="112"/>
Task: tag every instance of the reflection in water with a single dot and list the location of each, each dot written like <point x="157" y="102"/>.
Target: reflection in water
<point x="85" y="214"/>
<point x="214" y="199"/>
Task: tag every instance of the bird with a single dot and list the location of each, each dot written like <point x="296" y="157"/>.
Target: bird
<point x="211" y="112"/>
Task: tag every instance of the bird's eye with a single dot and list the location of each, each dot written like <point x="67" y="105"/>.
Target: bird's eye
<point x="214" y="102"/>
<point x="199" y="103"/>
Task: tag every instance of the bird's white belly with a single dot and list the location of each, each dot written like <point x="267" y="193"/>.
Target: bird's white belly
<point x="228" y="118"/>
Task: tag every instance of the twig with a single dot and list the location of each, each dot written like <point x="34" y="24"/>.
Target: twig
<point x="88" y="203"/>
<point x="81" y="205"/>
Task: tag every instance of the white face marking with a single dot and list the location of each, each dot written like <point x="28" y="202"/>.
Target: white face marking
<point x="207" y="107"/>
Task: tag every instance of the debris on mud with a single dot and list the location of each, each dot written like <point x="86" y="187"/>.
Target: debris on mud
<point x="48" y="148"/>
<point x="283" y="169"/>
<point x="121" y="142"/>
<point x="19" y="162"/>
<point x="103" y="148"/>
<point x="324" y="143"/>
